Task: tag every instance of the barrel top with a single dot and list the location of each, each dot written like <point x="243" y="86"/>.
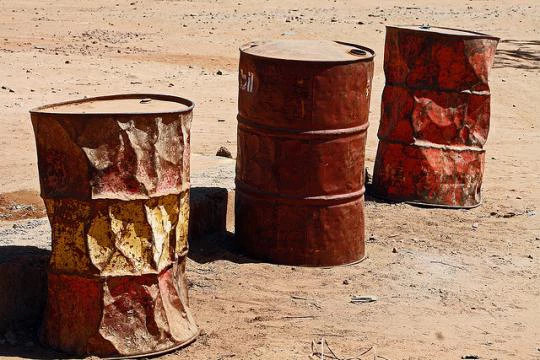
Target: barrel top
<point x="120" y="104"/>
<point x="307" y="50"/>
<point x="444" y="31"/>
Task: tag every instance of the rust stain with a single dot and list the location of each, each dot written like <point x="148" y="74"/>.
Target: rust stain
<point x="116" y="190"/>
<point x="302" y="123"/>
<point x="434" y="116"/>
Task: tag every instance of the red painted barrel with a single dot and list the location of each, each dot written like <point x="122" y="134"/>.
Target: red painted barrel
<point x="302" y="123"/>
<point x="114" y="174"/>
<point x="434" y="116"/>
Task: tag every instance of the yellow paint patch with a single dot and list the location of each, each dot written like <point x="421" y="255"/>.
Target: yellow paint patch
<point x="114" y="237"/>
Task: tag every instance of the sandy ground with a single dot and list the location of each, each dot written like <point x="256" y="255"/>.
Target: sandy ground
<point x="459" y="282"/>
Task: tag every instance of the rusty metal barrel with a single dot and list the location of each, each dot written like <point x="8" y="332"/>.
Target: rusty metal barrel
<point x="435" y="116"/>
<point x="114" y="175"/>
<point x="302" y="122"/>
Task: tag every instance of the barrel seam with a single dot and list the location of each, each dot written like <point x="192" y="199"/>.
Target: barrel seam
<point x="250" y="190"/>
<point x="429" y="88"/>
<point x="284" y="132"/>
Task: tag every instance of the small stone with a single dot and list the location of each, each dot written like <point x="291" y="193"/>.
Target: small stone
<point x="68" y="62"/>
<point x="470" y="357"/>
<point x="475" y="225"/>
<point x="394" y="250"/>
<point x="221" y="120"/>
<point x="219" y="72"/>
<point x="224" y="152"/>
<point x="346" y="282"/>
<point x="530" y="256"/>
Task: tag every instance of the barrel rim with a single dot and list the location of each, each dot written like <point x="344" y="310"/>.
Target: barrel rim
<point x="369" y="56"/>
<point x="465" y="33"/>
<point x="45" y="109"/>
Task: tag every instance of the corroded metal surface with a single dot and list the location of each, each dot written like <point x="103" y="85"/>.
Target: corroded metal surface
<point x="115" y="181"/>
<point x="302" y="122"/>
<point x="132" y="155"/>
<point x="434" y="116"/>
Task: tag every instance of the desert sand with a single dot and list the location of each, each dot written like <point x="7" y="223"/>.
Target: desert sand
<point x="450" y="283"/>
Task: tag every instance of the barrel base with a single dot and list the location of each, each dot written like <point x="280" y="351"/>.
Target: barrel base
<point x="157" y="353"/>
<point x="118" y="317"/>
<point x="301" y="234"/>
<point x="428" y="175"/>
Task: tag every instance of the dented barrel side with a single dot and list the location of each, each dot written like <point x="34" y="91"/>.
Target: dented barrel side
<point x="435" y="116"/>
<point x="116" y="190"/>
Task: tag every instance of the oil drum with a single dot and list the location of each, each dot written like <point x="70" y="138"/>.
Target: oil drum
<point x="435" y="116"/>
<point x="302" y="121"/>
<point x="114" y="176"/>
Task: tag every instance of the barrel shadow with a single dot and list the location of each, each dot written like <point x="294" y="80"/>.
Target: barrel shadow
<point x="23" y="293"/>
<point x="519" y="54"/>
<point x="211" y="214"/>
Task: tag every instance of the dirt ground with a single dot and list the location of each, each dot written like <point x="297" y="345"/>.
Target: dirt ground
<point x="460" y="282"/>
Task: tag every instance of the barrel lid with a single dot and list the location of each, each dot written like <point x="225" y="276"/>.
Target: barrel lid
<point x="443" y="31"/>
<point x="307" y="50"/>
<point x="119" y="104"/>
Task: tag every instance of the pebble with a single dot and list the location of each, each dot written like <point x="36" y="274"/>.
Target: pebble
<point x="224" y="152"/>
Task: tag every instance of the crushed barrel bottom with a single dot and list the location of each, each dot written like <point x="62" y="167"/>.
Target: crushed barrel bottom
<point x="429" y="174"/>
<point x="122" y="316"/>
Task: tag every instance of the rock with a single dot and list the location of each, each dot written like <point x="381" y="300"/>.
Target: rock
<point x="224" y="152"/>
<point x="219" y="72"/>
<point x="346" y="282"/>
<point x="394" y="250"/>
